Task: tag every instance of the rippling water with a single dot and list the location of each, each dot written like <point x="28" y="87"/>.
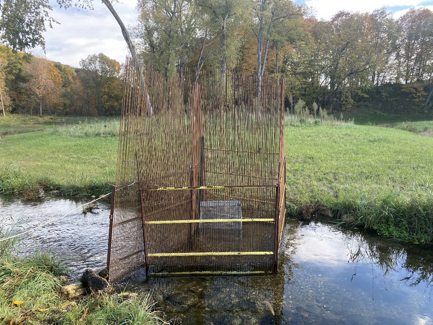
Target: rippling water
<point x="79" y="240"/>
<point x="326" y="275"/>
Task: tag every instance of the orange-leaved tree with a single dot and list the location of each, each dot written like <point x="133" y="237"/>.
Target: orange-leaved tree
<point x="45" y="82"/>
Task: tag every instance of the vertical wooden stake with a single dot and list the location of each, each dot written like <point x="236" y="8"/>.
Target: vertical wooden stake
<point x="277" y="228"/>
<point x="192" y="207"/>
<point x="201" y="173"/>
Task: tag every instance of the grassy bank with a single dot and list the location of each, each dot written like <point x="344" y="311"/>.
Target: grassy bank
<point x="424" y="128"/>
<point x="30" y="294"/>
<point x="78" y="158"/>
<point x="377" y="177"/>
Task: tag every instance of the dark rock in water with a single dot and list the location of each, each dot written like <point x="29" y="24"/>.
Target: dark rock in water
<point x="103" y="273"/>
<point x="308" y="212"/>
<point x="90" y="208"/>
<point x="93" y="282"/>
<point x="325" y="212"/>
<point x="313" y="211"/>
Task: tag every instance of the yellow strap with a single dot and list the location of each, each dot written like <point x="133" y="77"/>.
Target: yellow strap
<point x="165" y="222"/>
<point x="209" y="254"/>
<point x="190" y="188"/>
<point x="210" y="273"/>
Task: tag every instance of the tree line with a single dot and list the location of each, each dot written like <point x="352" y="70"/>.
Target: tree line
<point x="35" y="85"/>
<point x="350" y="60"/>
<point x="353" y="58"/>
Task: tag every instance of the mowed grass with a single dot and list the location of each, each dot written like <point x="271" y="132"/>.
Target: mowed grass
<point x="13" y="124"/>
<point x="73" y="159"/>
<point x="375" y="177"/>
<point x="379" y="178"/>
<point x="334" y="160"/>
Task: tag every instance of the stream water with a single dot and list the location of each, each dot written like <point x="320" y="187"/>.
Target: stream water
<point x="326" y="275"/>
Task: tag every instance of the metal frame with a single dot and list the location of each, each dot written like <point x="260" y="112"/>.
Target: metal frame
<point x="153" y="153"/>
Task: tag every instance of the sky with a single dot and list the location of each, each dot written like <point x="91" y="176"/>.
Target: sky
<point x="84" y="32"/>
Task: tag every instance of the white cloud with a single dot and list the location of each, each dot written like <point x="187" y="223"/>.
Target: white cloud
<point x="400" y="13"/>
<point x="322" y="245"/>
<point x="83" y="32"/>
<point x="326" y="9"/>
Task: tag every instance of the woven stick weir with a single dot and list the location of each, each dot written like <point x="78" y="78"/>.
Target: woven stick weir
<point x="204" y="142"/>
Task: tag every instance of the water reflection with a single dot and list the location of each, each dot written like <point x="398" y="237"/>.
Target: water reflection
<point x="417" y="262"/>
<point x="79" y="240"/>
<point x="364" y="280"/>
<point x="326" y="275"/>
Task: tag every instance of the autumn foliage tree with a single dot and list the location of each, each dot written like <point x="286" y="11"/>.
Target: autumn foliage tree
<point x="4" y="98"/>
<point x="350" y="60"/>
<point x="45" y="83"/>
<point x="27" y="82"/>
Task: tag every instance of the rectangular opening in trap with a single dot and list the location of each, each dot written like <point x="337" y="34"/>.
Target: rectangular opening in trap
<point x="221" y="210"/>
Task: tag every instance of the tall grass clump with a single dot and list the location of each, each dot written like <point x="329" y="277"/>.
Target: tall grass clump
<point x="90" y="128"/>
<point x="30" y="293"/>
<point x="315" y="116"/>
<point x="14" y="181"/>
<point x="6" y="246"/>
<point x="392" y="216"/>
<point x="115" y="310"/>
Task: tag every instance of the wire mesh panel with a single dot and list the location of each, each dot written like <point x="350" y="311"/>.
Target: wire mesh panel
<point x="220" y="210"/>
<point x="206" y="164"/>
<point x="128" y="254"/>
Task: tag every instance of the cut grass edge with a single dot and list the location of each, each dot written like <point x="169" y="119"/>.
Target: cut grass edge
<point x="16" y="182"/>
<point x="390" y="216"/>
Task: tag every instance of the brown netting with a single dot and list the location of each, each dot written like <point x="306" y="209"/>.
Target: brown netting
<point x="191" y="159"/>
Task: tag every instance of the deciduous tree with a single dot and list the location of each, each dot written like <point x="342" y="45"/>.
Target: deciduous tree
<point x="45" y="82"/>
<point x="225" y="19"/>
<point x="345" y="53"/>
<point x="267" y="13"/>
<point x="4" y="98"/>
<point x="415" y="55"/>
<point x="100" y="69"/>
<point x="166" y="27"/>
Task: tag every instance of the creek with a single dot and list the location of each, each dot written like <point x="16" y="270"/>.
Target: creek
<point x="327" y="275"/>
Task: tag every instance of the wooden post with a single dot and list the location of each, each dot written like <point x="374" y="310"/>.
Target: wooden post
<point x="284" y="201"/>
<point x="282" y="172"/>
<point x="196" y="137"/>
<point x="201" y="173"/>
<point x="277" y="228"/>
<point x="192" y="207"/>
<point x="279" y="209"/>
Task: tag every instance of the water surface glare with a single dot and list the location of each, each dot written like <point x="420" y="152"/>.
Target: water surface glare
<point x="79" y="240"/>
<point x="326" y="275"/>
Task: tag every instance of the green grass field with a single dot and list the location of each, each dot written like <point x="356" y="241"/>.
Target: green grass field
<point x="77" y="158"/>
<point x="376" y="177"/>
